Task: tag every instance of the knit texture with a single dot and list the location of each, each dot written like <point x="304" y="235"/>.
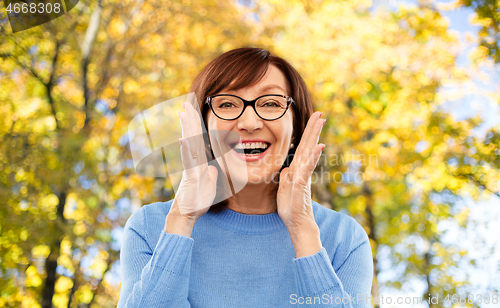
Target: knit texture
<point x="238" y="260"/>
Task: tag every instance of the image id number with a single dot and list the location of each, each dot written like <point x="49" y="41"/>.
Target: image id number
<point x="34" y="8"/>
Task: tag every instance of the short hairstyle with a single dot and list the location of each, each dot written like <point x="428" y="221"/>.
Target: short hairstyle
<point x="242" y="67"/>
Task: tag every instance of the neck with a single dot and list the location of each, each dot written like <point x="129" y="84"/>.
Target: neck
<point x="255" y="199"/>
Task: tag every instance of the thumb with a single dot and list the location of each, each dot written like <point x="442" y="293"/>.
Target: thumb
<point x="212" y="174"/>
<point x="283" y="176"/>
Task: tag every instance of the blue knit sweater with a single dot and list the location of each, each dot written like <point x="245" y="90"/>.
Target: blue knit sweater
<point x="239" y="260"/>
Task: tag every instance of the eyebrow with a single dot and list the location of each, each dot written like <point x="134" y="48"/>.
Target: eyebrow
<point x="263" y="89"/>
<point x="271" y="86"/>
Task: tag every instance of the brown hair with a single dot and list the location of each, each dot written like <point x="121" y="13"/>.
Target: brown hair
<point x="242" y="67"/>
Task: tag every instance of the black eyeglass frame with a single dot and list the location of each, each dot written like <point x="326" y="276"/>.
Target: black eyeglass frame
<point x="289" y="101"/>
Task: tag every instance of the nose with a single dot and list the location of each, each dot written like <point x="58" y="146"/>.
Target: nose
<point x="249" y="120"/>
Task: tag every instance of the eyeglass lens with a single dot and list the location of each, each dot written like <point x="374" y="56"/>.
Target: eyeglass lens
<point x="267" y="107"/>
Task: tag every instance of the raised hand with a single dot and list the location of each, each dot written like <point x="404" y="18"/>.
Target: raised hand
<point x="294" y="192"/>
<point x="198" y="185"/>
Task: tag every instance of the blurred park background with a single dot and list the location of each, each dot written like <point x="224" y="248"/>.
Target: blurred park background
<point x="414" y="86"/>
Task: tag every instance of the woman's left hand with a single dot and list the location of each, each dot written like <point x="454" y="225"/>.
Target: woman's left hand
<point x="294" y="192"/>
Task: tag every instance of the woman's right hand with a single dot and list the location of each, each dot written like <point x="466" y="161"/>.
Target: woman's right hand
<point x="198" y="185"/>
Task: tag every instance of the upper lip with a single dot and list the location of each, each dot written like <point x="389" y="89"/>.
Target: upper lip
<point x="251" y="141"/>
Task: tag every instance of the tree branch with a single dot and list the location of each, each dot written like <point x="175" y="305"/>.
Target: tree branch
<point x="371" y="223"/>
<point x="109" y="261"/>
<point x="50" y="270"/>
<point x="30" y="68"/>
<point x="50" y="85"/>
<point x="481" y="184"/>
<point x="75" y="283"/>
<point x="87" y="45"/>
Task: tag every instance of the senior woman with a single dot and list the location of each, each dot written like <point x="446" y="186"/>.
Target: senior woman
<point x="267" y="245"/>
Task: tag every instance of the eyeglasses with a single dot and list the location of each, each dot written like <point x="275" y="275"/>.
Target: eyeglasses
<point x="268" y="107"/>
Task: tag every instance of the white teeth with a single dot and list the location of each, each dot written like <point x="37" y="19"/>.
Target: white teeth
<point x="251" y="145"/>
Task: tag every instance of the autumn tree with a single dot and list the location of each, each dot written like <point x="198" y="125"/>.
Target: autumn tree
<point x="488" y="17"/>
<point x="393" y="160"/>
<point x="69" y="89"/>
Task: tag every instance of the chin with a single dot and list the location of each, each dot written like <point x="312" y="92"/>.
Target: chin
<point x="256" y="176"/>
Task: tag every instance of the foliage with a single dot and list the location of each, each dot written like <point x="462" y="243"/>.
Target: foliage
<point x="67" y="182"/>
<point x="488" y="17"/>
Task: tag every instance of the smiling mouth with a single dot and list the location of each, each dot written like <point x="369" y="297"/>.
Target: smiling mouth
<point x="250" y="148"/>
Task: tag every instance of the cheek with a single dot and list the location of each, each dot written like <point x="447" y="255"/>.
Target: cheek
<point x="212" y="123"/>
<point x="220" y="133"/>
<point x="284" y="131"/>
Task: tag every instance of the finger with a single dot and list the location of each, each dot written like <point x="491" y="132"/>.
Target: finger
<point x="313" y="119"/>
<point x="187" y="137"/>
<point x="194" y="117"/>
<point x="197" y="143"/>
<point x="185" y="125"/>
<point x="283" y="177"/>
<point x="311" y="134"/>
<point x="311" y="163"/>
<point x="212" y="174"/>
<point x="187" y="158"/>
<point x="194" y="114"/>
<point x="309" y="138"/>
<point x="311" y="143"/>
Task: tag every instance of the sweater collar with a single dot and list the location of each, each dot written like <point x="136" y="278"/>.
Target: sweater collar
<point x="246" y="223"/>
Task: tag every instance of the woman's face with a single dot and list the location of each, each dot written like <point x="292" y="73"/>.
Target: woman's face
<point x="250" y="128"/>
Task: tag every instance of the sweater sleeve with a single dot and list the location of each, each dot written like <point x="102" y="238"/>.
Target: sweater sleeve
<point x="319" y="285"/>
<point x="156" y="277"/>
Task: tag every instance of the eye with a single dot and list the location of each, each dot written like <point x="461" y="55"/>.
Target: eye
<point x="226" y="104"/>
<point x="271" y="103"/>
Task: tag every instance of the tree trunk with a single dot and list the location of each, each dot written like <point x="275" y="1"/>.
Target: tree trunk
<point x="75" y="282"/>
<point x="50" y="280"/>
<point x="51" y="261"/>
<point x="430" y="287"/>
<point x="370" y="203"/>
<point x="88" y="42"/>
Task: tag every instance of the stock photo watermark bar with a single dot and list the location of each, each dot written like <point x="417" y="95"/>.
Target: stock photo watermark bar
<point x="26" y="14"/>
